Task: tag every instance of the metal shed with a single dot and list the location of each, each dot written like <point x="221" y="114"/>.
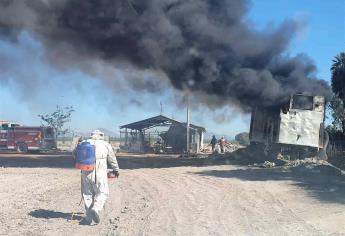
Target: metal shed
<point x="169" y="136"/>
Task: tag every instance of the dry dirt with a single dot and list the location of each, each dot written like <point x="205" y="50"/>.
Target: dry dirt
<point x="169" y="196"/>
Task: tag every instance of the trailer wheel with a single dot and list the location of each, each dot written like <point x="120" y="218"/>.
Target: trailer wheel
<point x="22" y="148"/>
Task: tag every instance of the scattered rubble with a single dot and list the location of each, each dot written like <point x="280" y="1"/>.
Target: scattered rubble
<point x="229" y="148"/>
<point x="266" y="164"/>
<point x="314" y="165"/>
<point x="305" y="161"/>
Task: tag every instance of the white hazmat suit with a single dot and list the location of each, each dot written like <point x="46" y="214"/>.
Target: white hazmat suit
<point x="94" y="184"/>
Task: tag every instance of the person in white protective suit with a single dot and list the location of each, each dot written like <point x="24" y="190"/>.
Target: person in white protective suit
<point x="94" y="184"/>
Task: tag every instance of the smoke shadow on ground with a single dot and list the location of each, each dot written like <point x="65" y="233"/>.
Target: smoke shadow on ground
<point x="140" y="162"/>
<point x="49" y="214"/>
<point x="322" y="182"/>
<point x="58" y="160"/>
<point x="252" y="154"/>
<point x="126" y="161"/>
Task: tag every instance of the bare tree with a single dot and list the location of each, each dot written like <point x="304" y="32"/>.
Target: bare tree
<point x="58" y="119"/>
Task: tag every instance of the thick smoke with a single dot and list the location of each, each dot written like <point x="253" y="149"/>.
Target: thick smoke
<point x="204" y="46"/>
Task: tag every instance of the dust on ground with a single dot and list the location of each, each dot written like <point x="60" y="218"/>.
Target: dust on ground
<point x="167" y="195"/>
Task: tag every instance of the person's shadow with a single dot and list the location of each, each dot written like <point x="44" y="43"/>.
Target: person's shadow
<point x="48" y="214"/>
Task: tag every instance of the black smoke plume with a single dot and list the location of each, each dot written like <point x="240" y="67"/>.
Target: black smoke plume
<point x="205" y="46"/>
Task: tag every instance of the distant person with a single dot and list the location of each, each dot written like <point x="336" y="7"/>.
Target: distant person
<point x="213" y="143"/>
<point x="222" y="142"/>
<point x="94" y="183"/>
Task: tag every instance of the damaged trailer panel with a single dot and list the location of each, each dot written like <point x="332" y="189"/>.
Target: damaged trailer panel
<point x="301" y="122"/>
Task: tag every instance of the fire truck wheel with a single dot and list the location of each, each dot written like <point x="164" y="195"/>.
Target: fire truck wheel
<point x="22" y="148"/>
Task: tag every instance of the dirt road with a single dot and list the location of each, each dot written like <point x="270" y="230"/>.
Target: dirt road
<point x="168" y="196"/>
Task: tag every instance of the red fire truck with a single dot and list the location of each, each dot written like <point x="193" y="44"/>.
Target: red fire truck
<point x="26" y="138"/>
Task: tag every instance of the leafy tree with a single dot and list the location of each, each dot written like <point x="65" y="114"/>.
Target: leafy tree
<point x="58" y="119"/>
<point x="337" y="112"/>
<point x="338" y="76"/>
<point x="243" y="138"/>
<point x="338" y="87"/>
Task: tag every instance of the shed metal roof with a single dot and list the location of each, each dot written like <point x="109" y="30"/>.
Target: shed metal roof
<point x="156" y="121"/>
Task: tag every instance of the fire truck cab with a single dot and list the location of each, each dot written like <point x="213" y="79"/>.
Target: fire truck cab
<point x="26" y="138"/>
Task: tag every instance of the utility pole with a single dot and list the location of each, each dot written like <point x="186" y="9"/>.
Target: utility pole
<point x="188" y="124"/>
<point x="161" y="108"/>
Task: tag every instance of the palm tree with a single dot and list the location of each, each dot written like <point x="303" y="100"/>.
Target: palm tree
<point x="338" y="86"/>
<point x="338" y="75"/>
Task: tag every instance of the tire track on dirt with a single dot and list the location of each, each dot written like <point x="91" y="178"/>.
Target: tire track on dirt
<point x="204" y="200"/>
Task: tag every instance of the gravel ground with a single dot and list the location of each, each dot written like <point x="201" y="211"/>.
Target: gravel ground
<point x="159" y="195"/>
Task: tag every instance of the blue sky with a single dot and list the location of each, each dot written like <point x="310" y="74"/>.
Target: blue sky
<point x="321" y="38"/>
<point x="323" y="35"/>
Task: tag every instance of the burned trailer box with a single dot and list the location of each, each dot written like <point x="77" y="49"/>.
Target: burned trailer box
<point x="300" y="122"/>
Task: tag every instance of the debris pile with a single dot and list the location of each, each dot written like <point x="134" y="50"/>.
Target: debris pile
<point x="268" y="164"/>
<point x="314" y="165"/>
<point x="304" y="167"/>
<point x="306" y="161"/>
<point x="231" y="147"/>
